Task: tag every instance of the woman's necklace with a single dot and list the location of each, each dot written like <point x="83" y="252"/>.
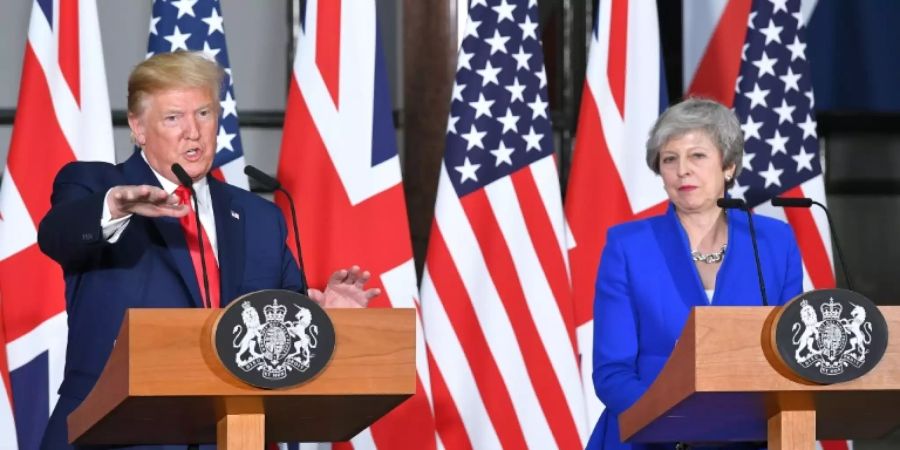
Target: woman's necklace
<point x="709" y="258"/>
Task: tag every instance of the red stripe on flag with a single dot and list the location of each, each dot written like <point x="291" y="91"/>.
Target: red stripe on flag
<point x="721" y="62"/>
<point x="618" y="52"/>
<point x="449" y="423"/>
<point x="834" y="445"/>
<point x="33" y="291"/>
<point x="543" y="237"/>
<point x="495" y="249"/>
<point x="69" y="46"/>
<point x="34" y="167"/>
<point x="812" y="249"/>
<point x="328" y="45"/>
<point x="493" y="390"/>
<point x="217" y="174"/>
<point x="596" y="200"/>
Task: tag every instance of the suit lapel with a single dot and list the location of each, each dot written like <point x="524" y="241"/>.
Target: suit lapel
<point x="230" y="236"/>
<point x="676" y="253"/>
<point x="137" y="171"/>
<point x="740" y="250"/>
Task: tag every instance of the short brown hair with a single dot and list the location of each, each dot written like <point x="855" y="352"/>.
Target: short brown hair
<point x="173" y="71"/>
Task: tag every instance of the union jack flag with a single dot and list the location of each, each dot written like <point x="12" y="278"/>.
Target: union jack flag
<point x="63" y="114"/>
<point x="495" y="294"/>
<point x="609" y="183"/>
<point x="197" y="25"/>
<point x="339" y="160"/>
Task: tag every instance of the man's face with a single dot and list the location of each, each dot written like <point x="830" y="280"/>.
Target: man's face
<point x="178" y="126"/>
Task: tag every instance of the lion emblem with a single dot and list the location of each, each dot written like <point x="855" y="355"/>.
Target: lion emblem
<point x="249" y="341"/>
<point x="806" y="342"/>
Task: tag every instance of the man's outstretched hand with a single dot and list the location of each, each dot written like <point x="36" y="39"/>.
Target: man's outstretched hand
<point x="144" y="200"/>
<point x="345" y="290"/>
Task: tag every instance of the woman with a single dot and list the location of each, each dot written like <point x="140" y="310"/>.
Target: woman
<point x="653" y="271"/>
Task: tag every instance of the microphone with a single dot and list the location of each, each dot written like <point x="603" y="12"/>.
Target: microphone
<point x="736" y="203"/>
<point x="793" y="202"/>
<point x="272" y="184"/>
<point x="187" y="182"/>
<point x="803" y="202"/>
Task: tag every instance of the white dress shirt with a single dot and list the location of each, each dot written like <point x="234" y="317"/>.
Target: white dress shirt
<point x="112" y="229"/>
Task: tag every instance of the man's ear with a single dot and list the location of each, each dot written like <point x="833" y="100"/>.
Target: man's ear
<point x="138" y="130"/>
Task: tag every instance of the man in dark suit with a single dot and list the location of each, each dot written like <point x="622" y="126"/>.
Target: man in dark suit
<point x="126" y="235"/>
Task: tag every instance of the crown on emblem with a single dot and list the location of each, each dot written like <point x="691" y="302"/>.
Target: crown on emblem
<point x="275" y="312"/>
<point x="831" y="310"/>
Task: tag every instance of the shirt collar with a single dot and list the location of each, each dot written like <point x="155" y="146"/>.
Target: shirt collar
<point x="201" y="186"/>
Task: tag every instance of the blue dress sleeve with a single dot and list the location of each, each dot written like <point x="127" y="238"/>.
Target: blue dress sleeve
<point x="615" y="375"/>
<point x="793" y="274"/>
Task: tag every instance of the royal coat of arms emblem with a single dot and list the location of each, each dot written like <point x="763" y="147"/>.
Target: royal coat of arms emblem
<point x="279" y="347"/>
<point x="834" y="342"/>
<point x="276" y="346"/>
<point x="830" y="336"/>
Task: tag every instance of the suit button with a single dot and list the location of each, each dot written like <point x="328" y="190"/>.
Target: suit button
<point x="87" y="237"/>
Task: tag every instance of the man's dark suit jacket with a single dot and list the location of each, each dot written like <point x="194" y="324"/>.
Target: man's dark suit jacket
<point x="148" y="267"/>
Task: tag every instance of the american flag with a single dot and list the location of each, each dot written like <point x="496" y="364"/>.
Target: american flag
<point x="197" y="25"/>
<point x="495" y="295"/>
<point x="752" y="55"/>
<point x="339" y="160"/>
<point x="63" y="114"/>
<point x="609" y="182"/>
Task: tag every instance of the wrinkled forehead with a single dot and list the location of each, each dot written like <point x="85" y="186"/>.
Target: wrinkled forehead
<point x="180" y="96"/>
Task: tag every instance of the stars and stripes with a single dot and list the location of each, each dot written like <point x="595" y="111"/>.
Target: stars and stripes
<point x="197" y="25"/>
<point x="495" y="294"/>
<point x="339" y="160"/>
<point x="62" y="115"/>
<point x="773" y="101"/>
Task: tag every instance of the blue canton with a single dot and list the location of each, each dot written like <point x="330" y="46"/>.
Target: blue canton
<point x="499" y="118"/>
<point x="774" y="103"/>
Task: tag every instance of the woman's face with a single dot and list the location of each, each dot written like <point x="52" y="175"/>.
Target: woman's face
<point x="692" y="173"/>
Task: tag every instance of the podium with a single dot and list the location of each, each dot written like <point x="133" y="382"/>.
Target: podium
<point x="723" y="384"/>
<point x="163" y="384"/>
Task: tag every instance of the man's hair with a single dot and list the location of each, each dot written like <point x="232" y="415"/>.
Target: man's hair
<point x="177" y="70"/>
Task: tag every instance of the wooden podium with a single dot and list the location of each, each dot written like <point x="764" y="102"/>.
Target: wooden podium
<point x="163" y="384"/>
<point x="720" y="385"/>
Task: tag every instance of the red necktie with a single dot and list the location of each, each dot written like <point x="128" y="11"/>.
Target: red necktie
<point x="189" y="226"/>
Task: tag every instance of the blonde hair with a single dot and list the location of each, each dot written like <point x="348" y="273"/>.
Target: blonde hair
<point x="177" y="70"/>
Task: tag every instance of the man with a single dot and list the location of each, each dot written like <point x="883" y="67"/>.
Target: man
<point x="126" y="235"/>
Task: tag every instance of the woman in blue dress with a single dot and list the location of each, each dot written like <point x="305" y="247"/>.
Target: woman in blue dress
<point x="654" y="270"/>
